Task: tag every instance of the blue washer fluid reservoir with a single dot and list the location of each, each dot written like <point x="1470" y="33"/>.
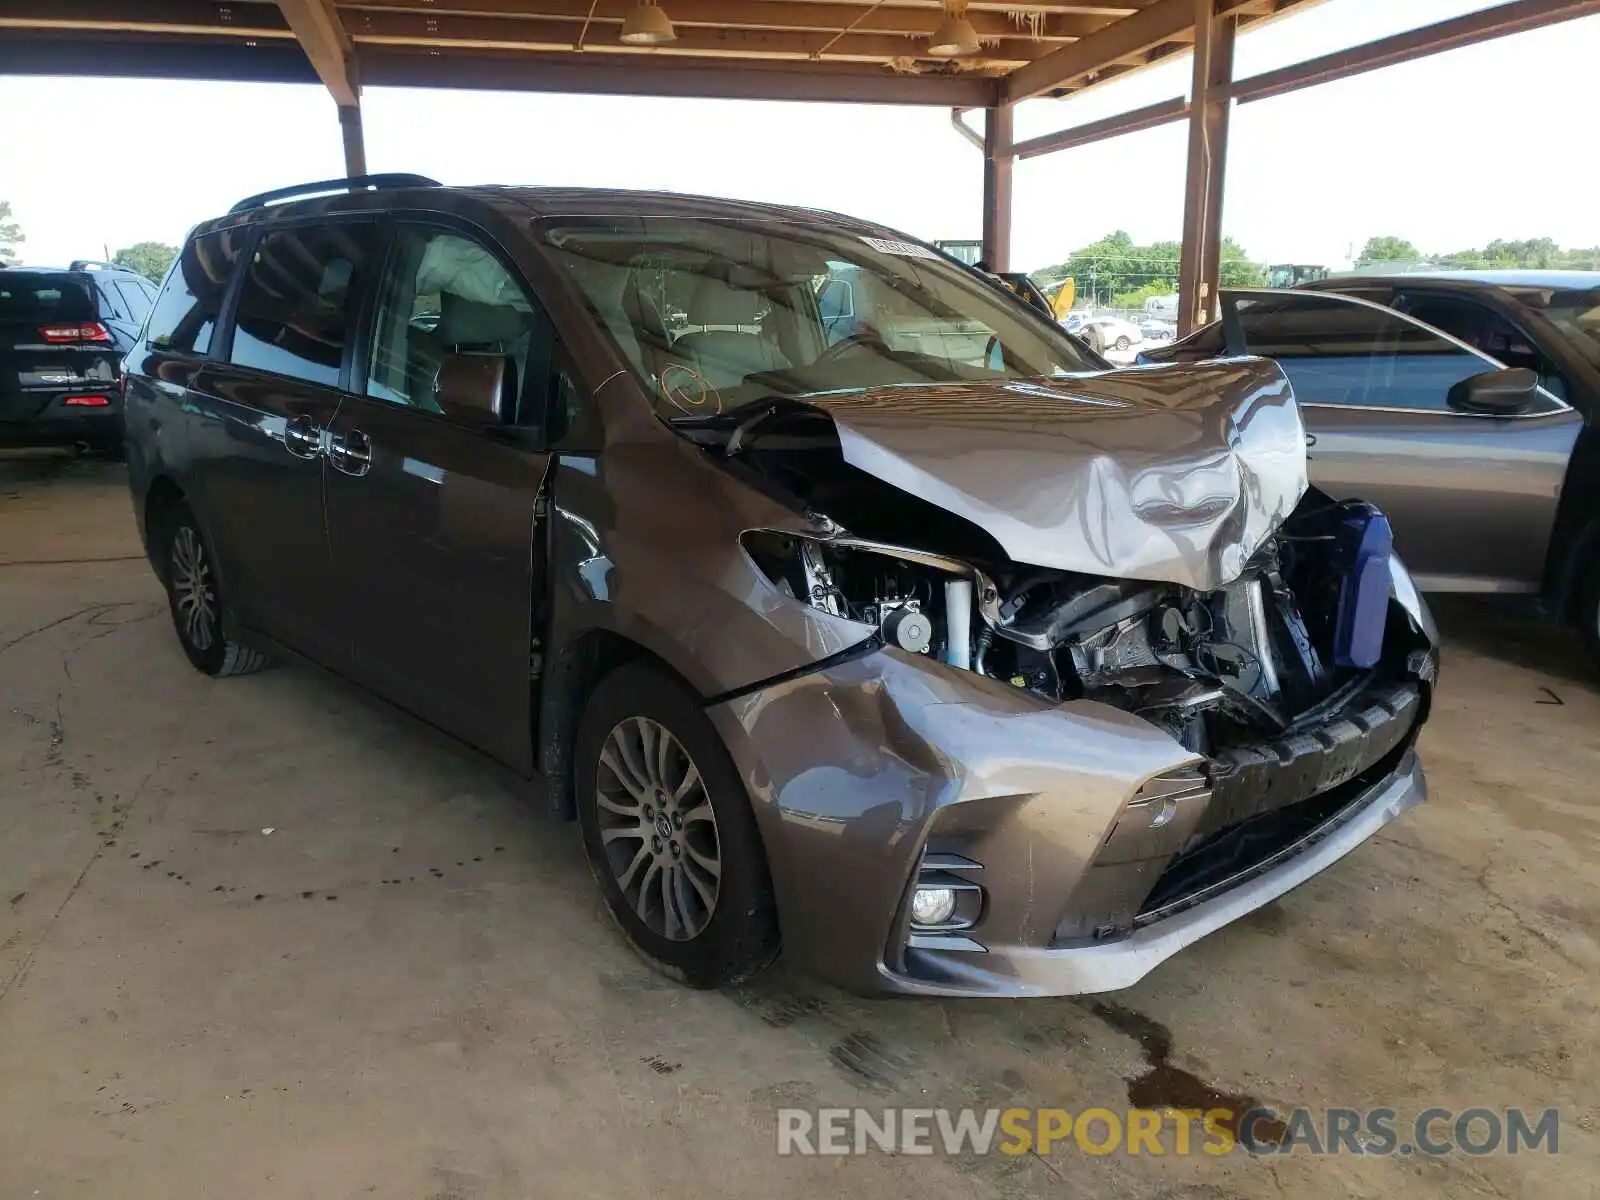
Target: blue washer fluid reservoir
<point x="1364" y="546"/>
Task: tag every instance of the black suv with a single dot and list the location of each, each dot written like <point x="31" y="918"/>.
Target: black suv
<point x="62" y="338"/>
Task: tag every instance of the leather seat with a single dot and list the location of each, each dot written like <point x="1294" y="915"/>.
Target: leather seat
<point x="465" y="325"/>
<point x="727" y="354"/>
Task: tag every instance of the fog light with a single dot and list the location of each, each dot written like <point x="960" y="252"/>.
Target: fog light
<point x="932" y="905"/>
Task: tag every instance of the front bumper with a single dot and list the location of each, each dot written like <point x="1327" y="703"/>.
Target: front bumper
<point x="871" y="772"/>
<point x="1108" y="966"/>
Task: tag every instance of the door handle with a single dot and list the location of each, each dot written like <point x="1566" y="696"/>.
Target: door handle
<point x="351" y="452"/>
<point x="302" y="437"/>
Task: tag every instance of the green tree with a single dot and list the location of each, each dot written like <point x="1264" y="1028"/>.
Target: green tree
<point x="10" y="234"/>
<point x="1236" y="270"/>
<point x="1119" y="271"/>
<point x="1387" y="249"/>
<point x="150" y="259"/>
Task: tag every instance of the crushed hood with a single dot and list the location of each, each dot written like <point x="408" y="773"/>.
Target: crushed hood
<point x="1175" y="474"/>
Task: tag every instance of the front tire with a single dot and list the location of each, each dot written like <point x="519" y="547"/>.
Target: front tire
<point x="669" y="832"/>
<point x="195" y="598"/>
<point x="1589" y="613"/>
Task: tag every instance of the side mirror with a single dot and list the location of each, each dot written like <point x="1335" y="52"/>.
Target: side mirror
<point x="1503" y="393"/>
<point x="474" y="386"/>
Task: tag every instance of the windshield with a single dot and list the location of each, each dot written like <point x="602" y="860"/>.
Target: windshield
<point x="1575" y="312"/>
<point x="716" y="314"/>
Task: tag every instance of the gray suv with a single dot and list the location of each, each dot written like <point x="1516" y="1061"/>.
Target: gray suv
<point x="924" y="647"/>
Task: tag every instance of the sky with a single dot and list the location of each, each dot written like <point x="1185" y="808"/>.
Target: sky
<point x="1495" y="140"/>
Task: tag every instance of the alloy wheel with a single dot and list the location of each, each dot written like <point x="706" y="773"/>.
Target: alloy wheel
<point x="657" y="829"/>
<point x="194" y="591"/>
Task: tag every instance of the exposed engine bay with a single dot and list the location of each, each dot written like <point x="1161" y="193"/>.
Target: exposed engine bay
<point x="1259" y="658"/>
<point x="1275" y="650"/>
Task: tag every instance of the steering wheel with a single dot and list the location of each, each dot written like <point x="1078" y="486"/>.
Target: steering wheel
<point x="861" y="337"/>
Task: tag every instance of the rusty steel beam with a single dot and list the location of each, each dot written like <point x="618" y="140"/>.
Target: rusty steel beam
<point x="600" y="73"/>
<point x="998" y="165"/>
<point x="1160" y="22"/>
<point x="178" y="17"/>
<point x="316" y="27"/>
<point x="1154" y="33"/>
<point x="145" y="56"/>
<point x="1208" y="152"/>
<point x="1500" y="21"/>
<point x="798" y="15"/>
<point x="1216" y="115"/>
<point x="526" y="33"/>
<point x="1148" y="117"/>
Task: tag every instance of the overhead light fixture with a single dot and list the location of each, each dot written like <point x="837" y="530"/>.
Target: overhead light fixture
<point x="648" y="25"/>
<point x="955" y="38"/>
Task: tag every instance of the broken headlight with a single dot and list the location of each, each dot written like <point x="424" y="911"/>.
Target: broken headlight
<point x="919" y="601"/>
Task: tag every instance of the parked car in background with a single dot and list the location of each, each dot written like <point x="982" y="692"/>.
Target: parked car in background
<point x="1155" y="332"/>
<point x="1547" y="321"/>
<point x="1104" y="332"/>
<point x="905" y="641"/>
<point x="1484" y="456"/>
<point x="62" y="335"/>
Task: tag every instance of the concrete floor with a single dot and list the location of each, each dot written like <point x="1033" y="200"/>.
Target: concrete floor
<point x="258" y="938"/>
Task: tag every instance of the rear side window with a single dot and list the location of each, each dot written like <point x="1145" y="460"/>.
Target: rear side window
<point x="43" y="298"/>
<point x="185" y="314"/>
<point x="134" y="299"/>
<point x="111" y="304"/>
<point x="298" y="305"/>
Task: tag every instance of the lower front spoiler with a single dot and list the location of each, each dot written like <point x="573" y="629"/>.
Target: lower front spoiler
<point x="1031" y="971"/>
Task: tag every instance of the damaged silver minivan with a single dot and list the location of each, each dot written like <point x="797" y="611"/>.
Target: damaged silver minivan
<point x="848" y="604"/>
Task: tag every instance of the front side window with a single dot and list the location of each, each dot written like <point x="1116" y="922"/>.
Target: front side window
<point x="1339" y="351"/>
<point x="299" y="299"/>
<point x="445" y="294"/>
<point x="714" y="314"/>
<point x="1483" y="329"/>
<point x="1575" y="312"/>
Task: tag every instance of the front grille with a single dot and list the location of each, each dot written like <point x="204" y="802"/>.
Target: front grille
<point x="1229" y="856"/>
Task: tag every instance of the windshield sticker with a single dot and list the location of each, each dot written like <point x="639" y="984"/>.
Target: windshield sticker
<point x="903" y="249"/>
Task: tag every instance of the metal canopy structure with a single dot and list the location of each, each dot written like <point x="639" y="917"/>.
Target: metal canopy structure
<point x="966" y="54"/>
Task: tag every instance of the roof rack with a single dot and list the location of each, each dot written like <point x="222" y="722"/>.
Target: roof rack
<point x="323" y="187"/>
<point x="94" y="264"/>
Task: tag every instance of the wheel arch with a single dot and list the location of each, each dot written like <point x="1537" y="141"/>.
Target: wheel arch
<point x="1577" y="561"/>
<point x="163" y="499"/>
<point x="572" y="672"/>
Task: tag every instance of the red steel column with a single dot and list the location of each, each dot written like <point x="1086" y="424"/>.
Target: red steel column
<point x="998" y="161"/>
<point x="1209" y="105"/>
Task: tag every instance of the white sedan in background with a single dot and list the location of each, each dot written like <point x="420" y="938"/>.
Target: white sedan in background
<point x="1104" y="332"/>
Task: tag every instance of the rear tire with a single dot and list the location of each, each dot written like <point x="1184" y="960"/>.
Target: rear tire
<point x="195" y="599"/>
<point x="1123" y="343"/>
<point x="669" y="832"/>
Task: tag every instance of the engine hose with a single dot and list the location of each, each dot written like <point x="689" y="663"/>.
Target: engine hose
<point x="981" y="651"/>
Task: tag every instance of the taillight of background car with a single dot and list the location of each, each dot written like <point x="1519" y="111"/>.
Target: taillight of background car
<point x="87" y="331"/>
